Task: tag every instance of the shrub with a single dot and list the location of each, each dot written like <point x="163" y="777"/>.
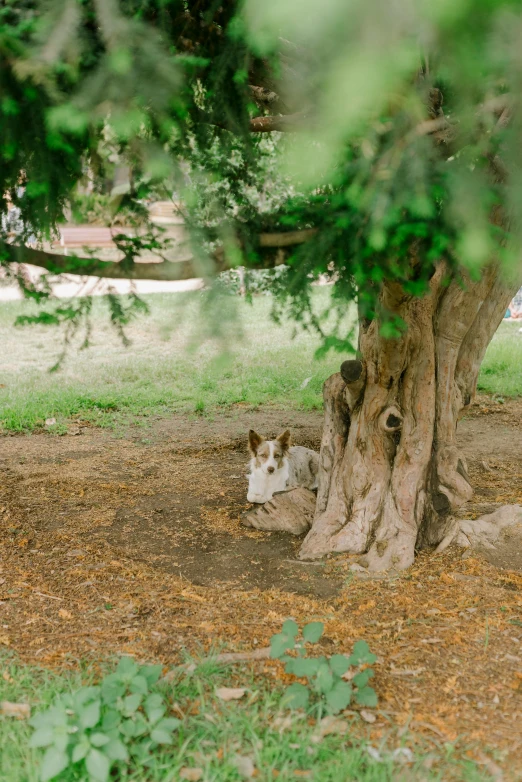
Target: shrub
<point x="98" y="729"/>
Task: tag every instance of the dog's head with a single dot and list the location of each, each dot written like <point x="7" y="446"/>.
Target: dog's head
<point x="269" y="454"/>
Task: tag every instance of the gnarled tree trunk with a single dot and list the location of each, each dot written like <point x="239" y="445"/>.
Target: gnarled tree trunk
<point x="391" y="474"/>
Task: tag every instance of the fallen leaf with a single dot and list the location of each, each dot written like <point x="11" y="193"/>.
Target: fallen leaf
<point x="283" y="722"/>
<point x="4" y="640"/>
<point x="191" y="774"/>
<point x="20" y="711"/>
<point x="230" y="693"/>
<point x="368" y="716"/>
<point x="402" y="755"/>
<point x="64" y="614"/>
<point x="244" y="765"/>
<point x="332" y="726"/>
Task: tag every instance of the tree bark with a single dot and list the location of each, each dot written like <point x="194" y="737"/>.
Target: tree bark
<point x="391" y="474"/>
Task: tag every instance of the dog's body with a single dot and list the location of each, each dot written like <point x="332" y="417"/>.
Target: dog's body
<point x="276" y="466"/>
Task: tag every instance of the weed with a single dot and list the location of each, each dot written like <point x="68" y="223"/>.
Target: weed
<point x="96" y="729"/>
<point x="326" y="676"/>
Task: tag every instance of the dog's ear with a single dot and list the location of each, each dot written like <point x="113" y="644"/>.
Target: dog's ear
<point x="254" y="441"/>
<point x="284" y="440"/>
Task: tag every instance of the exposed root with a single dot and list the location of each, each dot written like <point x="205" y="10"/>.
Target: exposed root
<point x="289" y="511"/>
<point x="490" y="531"/>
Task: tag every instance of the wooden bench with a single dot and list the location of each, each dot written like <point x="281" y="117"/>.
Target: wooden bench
<point x="77" y="236"/>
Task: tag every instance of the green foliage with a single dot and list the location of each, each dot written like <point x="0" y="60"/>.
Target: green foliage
<point x="327" y="681"/>
<point x="210" y="737"/>
<point x="99" y="730"/>
<point x="167" y="89"/>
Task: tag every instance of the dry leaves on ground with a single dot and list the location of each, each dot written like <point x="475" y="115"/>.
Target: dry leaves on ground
<point x="230" y="693"/>
<point x="21" y="711"/>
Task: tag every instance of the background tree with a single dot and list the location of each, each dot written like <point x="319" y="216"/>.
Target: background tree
<point x="396" y="171"/>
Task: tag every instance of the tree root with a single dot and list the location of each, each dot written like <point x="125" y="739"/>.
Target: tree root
<point x="289" y="511"/>
<point x="490" y="531"/>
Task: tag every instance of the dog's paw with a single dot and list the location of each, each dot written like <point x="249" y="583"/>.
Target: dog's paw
<point x="256" y="499"/>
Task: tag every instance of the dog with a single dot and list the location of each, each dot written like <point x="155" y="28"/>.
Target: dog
<point x="277" y="466"/>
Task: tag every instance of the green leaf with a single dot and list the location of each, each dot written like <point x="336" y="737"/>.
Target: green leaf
<point x="53" y="763"/>
<point x="151" y="673"/>
<point x="112" y="688"/>
<point x="312" y="632"/>
<point x="85" y="695"/>
<point x="98" y="765"/>
<point x="279" y="643"/>
<point x="111" y="719"/>
<point x="98" y="739"/>
<point x="161" y="736"/>
<point x="325" y="679"/>
<point x="302" y="666"/>
<point x="139" y="684"/>
<point x="362" y="678"/>
<point x="339" y="664"/>
<point x="80" y="750"/>
<point x="131" y="704"/>
<point x="127" y="668"/>
<point x="361" y="654"/>
<point x="290" y="628"/>
<point x="43" y="737"/>
<point x="296" y="696"/>
<point x="141" y="725"/>
<point x="169" y="723"/>
<point x="128" y="728"/>
<point x="154" y="708"/>
<point x="90" y="715"/>
<point x="116" y="750"/>
<point x="339" y="697"/>
<point x="366" y="696"/>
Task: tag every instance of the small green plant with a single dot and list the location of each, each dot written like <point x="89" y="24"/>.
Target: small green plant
<point x="98" y="729"/>
<point x="328" y="678"/>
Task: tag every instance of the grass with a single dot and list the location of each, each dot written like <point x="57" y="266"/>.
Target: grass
<point x="176" y="363"/>
<point x="501" y="371"/>
<point x="213" y="733"/>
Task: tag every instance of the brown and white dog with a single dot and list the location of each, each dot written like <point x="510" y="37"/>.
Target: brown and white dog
<point x="277" y="466"/>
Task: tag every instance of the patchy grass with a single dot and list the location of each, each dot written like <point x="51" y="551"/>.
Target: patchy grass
<point x="501" y="371"/>
<point x="180" y="361"/>
<point x="213" y="734"/>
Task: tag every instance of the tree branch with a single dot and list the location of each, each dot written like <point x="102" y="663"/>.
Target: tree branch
<point x="184" y="269"/>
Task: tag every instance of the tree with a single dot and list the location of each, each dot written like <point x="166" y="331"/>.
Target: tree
<point x="397" y="129"/>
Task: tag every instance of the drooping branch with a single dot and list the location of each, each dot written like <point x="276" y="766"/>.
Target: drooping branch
<point x="93" y="267"/>
<point x="182" y="269"/>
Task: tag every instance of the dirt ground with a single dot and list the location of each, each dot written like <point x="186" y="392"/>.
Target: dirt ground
<point x="132" y="544"/>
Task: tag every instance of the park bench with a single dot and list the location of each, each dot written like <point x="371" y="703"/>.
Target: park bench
<point x="74" y="237"/>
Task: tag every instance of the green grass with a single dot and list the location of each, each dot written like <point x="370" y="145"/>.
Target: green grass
<point x="212" y="737"/>
<point x="501" y="371"/>
<point x="177" y="361"/>
<point x="176" y="364"/>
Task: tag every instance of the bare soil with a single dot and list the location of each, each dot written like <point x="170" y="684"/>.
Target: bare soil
<point x="132" y="544"/>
